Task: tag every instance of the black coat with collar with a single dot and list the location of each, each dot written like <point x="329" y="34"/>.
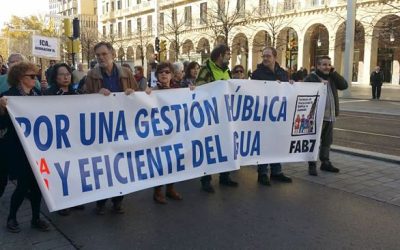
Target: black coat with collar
<point x="18" y="163"/>
<point x="264" y="73"/>
<point x="336" y="81"/>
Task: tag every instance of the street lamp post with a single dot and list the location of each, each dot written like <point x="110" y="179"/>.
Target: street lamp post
<point x="349" y="44"/>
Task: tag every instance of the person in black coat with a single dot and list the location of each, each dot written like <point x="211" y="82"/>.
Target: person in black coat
<point x="326" y="73"/>
<point x="376" y="80"/>
<point x="22" y="78"/>
<point x="270" y="70"/>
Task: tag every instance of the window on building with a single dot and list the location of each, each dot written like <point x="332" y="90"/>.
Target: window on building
<point x="107" y="7"/>
<point x="119" y="29"/>
<point x="138" y="1"/>
<point x="104" y="31"/>
<point x="112" y="6"/>
<point x="203" y="13"/>
<point x="315" y="3"/>
<point x="240" y="7"/>
<point x="263" y="7"/>
<point x="288" y="5"/>
<point x="150" y="23"/>
<point x="139" y="25"/>
<point x="129" y="27"/>
<point x="111" y="29"/>
<point x="221" y="7"/>
<point x="119" y="4"/>
<point x="188" y="15"/>
<point x="127" y="3"/>
<point x="174" y="17"/>
<point x="162" y="22"/>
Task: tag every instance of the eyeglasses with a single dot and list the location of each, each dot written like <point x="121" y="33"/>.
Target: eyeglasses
<point x="33" y="77"/>
<point x="165" y="71"/>
<point x="238" y="71"/>
<point x="102" y="55"/>
<point x="64" y="74"/>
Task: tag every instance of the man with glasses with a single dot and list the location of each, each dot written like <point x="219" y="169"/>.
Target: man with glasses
<point x="216" y="68"/>
<point x="107" y="77"/>
<point x="270" y="70"/>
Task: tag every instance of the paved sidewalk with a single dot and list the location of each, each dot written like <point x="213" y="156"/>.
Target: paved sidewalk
<point x="375" y="179"/>
<point x="28" y="238"/>
<point x="363" y="91"/>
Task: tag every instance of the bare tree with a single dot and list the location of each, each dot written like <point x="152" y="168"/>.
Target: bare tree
<point x="89" y="38"/>
<point x="173" y="30"/>
<point x="143" y="39"/>
<point x="273" y="21"/>
<point x="222" y="18"/>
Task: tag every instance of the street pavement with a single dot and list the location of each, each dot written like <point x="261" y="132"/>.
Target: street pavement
<point x="359" y="208"/>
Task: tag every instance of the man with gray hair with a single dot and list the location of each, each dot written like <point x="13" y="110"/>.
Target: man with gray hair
<point x="13" y="59"/>
<point x="178" y="74"/>
<point x="107" y="77"/>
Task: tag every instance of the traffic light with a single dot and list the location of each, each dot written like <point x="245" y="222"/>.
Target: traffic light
<point x="76" y="46"/>
<point x="67" y="28"/>
<point x="163" y="50"/>
<point x="157" y="44"/>
<point x="163" y="45"/>
<point x="75" y="28"/>
<point x="69" y="46"/>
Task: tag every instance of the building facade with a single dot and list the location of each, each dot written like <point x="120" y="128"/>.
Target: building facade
<point x="301" y="31"/>
<point x="86" y="12"/>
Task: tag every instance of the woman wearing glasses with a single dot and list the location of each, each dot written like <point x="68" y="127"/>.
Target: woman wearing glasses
<point x="238" y="72"/>
<point x="164" y="81"/>
<point x="61" y="81"/>
<point x="21" y="78"/>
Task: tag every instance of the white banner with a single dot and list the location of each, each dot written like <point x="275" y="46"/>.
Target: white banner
<point x="45" y="47"/>
<point x="90" y="147"/>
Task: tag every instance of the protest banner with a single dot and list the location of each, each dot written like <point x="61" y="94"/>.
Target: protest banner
<point x="45" y="47"/>
<point x="89" y="147"/>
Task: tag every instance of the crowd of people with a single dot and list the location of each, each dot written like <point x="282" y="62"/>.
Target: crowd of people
<point x="106" y="76"/>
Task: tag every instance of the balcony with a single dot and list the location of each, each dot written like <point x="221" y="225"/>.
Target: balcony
<point x="199" y="23"/>
<point x="169" y="2"/>
<point x="142" y="7"/>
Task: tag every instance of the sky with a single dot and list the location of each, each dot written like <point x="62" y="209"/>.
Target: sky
<point x="22" y="8"/>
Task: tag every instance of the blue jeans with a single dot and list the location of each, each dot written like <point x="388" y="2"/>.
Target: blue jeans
<point x="276" y="169"/>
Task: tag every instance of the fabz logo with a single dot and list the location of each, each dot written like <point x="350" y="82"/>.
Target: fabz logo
<point x="302" y="146"/>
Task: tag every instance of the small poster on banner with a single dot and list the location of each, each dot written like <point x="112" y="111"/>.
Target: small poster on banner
<point x="304" y="122"/>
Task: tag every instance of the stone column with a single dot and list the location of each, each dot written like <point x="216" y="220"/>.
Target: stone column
<point x="250" y="58"/>
<point x="300" y="52"/>
<point x="368" y="51"/>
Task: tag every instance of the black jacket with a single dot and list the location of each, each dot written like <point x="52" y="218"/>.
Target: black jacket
<point x="376" y="78"/>
<point x="55" y="90"/>
<point x="337" y="83"/>
<point x="264" y="73"/>
<point x="18" y="163"/>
